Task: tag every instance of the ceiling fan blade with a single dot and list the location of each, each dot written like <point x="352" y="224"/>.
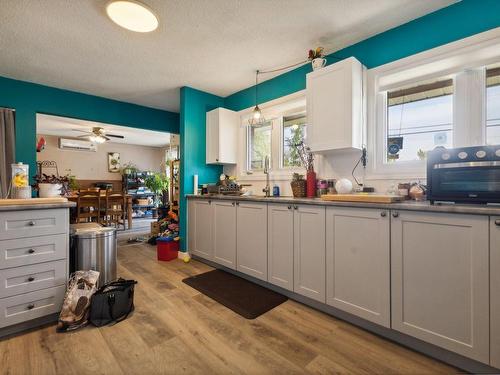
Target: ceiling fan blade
<point x="115" y="136"/>
<point x="106" y="138"/>
<point x="82" y="131"/>
<point x="84" y="136"/>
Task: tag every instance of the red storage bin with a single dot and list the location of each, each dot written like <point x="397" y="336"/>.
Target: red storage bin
<point x="167" y="250"/>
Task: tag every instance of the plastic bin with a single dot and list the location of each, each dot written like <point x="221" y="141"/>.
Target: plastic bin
<point x="166" y="249"/>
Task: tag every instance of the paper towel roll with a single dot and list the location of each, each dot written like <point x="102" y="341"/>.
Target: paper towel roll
<point x="195" y="184"/>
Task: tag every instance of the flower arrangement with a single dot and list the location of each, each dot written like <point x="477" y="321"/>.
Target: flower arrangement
<point x="305" y="155"/>
<point x="315" y="53"/>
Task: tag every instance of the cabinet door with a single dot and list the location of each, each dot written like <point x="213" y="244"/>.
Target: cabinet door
<point x="203" y="224"/>
<point x="280" y="245"/>
<point x="251" y="237"/>
<point x="440" y="280"/>
<point x="495" y="290"/>
<point x="309" y="251"/>
<point x="225" y="233"/>
<point x="212" y="135"/>
<point x="358" y="262"/>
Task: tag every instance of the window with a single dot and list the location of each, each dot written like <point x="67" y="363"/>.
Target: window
<point x="419" y="118"/>
<point x="259" y="146"/>
<point x="493" y="106"/>
<point x="294" y="132"/>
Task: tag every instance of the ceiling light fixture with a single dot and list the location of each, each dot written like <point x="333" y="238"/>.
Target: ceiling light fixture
<point x="257" y="119"/>
<point x="132" y="15"/>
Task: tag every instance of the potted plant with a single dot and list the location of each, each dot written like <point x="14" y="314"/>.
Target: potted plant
<point x="316" y="58"/>
<point x="49" y="186"/>
<point x="298" y="185"/>
<point x="129" y="168"/>
<point x="158" y="183"/>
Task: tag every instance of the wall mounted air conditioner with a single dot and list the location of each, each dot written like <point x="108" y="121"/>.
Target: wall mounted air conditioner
<point x="77" y="145"/>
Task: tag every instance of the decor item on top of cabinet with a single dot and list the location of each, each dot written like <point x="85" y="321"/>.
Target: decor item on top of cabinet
<point x="298" y="185"/>
<point x="316" y="58"/>
<point x="222" y="136"/>
<point x="114" y="165"/>
<point x="343" y="186"/>
<point x="335" y="111"/>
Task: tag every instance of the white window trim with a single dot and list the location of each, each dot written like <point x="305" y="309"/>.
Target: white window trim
<point x="472" y="53"/>
<point x="274" y="110"/>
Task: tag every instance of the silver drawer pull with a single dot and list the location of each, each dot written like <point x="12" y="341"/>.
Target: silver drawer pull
<point x="31" y="278"/>
<point x="30" y="307"/>
<point x="31" y="251"/>
<point x="497" y="222"/>
<point x="31" y="223"/>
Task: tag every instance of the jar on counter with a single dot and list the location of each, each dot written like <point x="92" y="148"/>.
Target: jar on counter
<point x="331" y="186"/>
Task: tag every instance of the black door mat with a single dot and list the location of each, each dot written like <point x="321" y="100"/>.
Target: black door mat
<point x="243" y="297"/>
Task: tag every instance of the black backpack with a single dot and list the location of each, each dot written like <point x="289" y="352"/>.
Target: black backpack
<point x="112" y="302"/>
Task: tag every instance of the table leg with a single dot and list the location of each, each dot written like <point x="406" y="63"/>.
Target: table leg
<point x="129" y="212"/>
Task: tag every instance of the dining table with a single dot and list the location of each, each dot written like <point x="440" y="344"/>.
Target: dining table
<point x="73" y="197"/>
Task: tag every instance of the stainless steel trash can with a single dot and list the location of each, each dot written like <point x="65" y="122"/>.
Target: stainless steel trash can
<point x="94" y="248"/>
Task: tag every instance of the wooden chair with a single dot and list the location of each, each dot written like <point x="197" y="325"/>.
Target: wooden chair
<point x="88" y="206"/>
<point x="114" y="208"/>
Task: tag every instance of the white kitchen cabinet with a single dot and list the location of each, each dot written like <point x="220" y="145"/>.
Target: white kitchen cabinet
<point x="335" y="107"/>
<point x="280" y="245"/>
<point x="309" y="251"/>
<point x="495" y="291"/>
<point x="251" y="237"/>
<point x="440" y="280"/>
<point x="222" y="128"/>
<point x="224" y="233"/>
<point x="201" y="225"/>
<point x="358" y="262"/>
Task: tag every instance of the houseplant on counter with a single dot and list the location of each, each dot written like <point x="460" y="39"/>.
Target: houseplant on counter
<point x="307" y="161"/>
<point x="49" y="186"/>
<point x="298" y="185"/>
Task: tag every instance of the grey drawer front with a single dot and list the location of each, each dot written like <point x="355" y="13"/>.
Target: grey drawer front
<point x="22" y="224"/>
<point x="25" y="251"/>
<point x="26" y="279"/>
<point x="24" y="307"/>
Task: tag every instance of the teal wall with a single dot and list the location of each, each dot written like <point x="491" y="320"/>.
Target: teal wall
<point x="28" y="99"/>
<point x="446" y="25"/>
<point x="194" y="106"/>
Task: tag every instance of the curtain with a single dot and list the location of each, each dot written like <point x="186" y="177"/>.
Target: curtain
<point x="7" y="148"/>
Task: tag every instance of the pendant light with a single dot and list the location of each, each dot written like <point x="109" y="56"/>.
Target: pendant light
<point x="257" y="119"/>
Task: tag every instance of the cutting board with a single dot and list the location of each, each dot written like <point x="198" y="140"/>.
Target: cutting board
<point x="362" y="197"/>
<point x="32" y="201"/>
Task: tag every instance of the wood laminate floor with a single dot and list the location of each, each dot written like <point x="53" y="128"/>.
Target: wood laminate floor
<point x="176" y="330"/>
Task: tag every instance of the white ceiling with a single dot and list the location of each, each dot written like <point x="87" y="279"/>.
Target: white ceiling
<point x="65" y="127"/>
<point x="212" y="45"/>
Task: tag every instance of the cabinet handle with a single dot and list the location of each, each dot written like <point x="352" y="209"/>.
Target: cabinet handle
<point x="31" y="223"/>
<point x="209" y="202"/>
<point x="395" y="214"/>
<point x="31" y="278"/>
<point x="232" y="204"/>
<point x="31" y="251"/>
<point x="237" y="203"/>
<point x="30" y="307"/>
<point x="295" y="207"/>
<point x="383" y="214"/>
<point x="289" y="207"/>
<point x="497" y="222"/>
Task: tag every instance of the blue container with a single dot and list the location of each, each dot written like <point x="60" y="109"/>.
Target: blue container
<point x="276" y="191"/>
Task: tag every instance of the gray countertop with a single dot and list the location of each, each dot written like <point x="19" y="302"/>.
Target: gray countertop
<point x="473" y="209"/>
<point x="36" y="206"/>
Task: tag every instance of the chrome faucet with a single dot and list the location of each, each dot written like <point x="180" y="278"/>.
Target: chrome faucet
<point x="267" y="189"/>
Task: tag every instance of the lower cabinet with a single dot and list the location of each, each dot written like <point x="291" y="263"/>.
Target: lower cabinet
<point x="200" y="227"/>
<point x="440" y="280"/>
<point x="251" y="239"/>
<point x="309" y="251"/>
<point x="280" y="245"/>
<point x="358" y="262"/>
<point x="495" y="291"/>
<point x="224" y="222"/>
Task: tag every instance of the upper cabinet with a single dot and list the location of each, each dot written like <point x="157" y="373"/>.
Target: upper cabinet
<point x="335" y="107"/>
<point x="222" y="136"/>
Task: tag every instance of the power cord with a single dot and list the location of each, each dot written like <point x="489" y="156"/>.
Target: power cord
<point x="363" y="160"/>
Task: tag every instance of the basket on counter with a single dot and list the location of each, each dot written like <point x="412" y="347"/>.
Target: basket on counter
<point x="299" y="188"/>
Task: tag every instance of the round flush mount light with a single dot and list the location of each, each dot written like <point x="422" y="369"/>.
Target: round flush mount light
<point x="132" y="15"/>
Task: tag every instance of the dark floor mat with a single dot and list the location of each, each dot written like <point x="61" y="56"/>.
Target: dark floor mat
<point x="243" y="297"/>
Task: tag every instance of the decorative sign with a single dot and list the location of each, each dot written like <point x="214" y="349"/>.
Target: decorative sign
<point x="114" y="164"/>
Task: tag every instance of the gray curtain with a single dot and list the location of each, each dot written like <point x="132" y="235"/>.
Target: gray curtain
<point x="7" y="148"/>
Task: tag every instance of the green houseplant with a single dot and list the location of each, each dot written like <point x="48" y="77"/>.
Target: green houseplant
<point x="158" y="183"/>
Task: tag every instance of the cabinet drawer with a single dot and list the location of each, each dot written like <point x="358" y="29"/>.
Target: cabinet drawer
<point x="22" y="224"/>
<point x="25" y="251"/>
<point x="24" y="307"/>
<point x="26" y="279"/>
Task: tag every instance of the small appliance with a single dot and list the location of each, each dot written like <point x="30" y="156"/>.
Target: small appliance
<point x="464" y="175"/>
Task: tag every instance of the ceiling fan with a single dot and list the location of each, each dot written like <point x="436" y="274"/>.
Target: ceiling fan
<point x="98" y="135"/>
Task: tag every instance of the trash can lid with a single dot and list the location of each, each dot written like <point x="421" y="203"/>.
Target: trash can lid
<point x="92" y="231"/>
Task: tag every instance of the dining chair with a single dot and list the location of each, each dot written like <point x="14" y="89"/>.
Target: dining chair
<point x="88" y="206"/>
<point x="114" y="208"/>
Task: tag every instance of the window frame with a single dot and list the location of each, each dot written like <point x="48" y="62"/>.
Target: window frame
<point x="463" y="61"/>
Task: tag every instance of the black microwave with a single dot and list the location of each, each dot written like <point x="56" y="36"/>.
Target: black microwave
<point x="464" y="175"/>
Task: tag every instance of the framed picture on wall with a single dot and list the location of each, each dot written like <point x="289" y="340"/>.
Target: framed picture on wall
<point x="114" y="164"/>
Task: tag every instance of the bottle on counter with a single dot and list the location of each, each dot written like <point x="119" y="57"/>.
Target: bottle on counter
<point x="276" y="191"/>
